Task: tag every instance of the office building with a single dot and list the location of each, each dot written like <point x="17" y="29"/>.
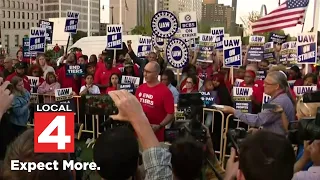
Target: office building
<point x="17" y="17"/>
<point x="59" y="8"/>
<point x="217" y="14"/>
<point x="177" y="6"/>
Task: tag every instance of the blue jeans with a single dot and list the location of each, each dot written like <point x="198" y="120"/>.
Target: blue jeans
<point x="209" y="118"/>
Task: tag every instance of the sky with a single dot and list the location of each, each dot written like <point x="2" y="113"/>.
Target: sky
<point x="244" y="7"/>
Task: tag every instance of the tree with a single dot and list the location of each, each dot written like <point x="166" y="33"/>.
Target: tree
<point x="138" y="30"/>
<point x="144" y="29"/>
<point x="78" y="35"/>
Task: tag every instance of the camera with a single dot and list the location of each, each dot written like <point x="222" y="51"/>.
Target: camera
<point x="306" y="128"/>
<point x="236" y="137"/>
<point x="191" y="106"/>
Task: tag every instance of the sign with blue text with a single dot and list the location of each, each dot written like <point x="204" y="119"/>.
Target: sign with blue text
<point x="72" y="20"/>
<point x="256" y="50"/>
<point x="269" y="53"/>
<point x="25" y="49"/>
<point x="164" y="24"/>
<point x="78" y="70"/>
<point x="129" y="87"/>
<point x="292" y="53"/>
<point x="177" y="53"/>
<point x="232" y="51"/>
<point x="300" y="90"/>
<point x="242" y="99"/>
<point x="114" y="36"/>
<point x="158" y="42"/>
<point x="207" y="98"/>
<point x="218" y="34"/>
<point x="284" y="53"/>
<point x="307" y="48"/>
<point x="37" y="40"/>
<point x="265" y="99"/>
<point x="144" y="46"/>
<point x="48" y="25"/>
<point x="188" y="24"/>
<point x="206" y="47"/>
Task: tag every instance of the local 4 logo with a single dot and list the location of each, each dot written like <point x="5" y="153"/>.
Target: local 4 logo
<point x="53" y="128"/>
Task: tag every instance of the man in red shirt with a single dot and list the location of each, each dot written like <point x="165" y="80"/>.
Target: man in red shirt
<point x="20" y="71"/>
<point x="101" y="59"/>
<point x="102" y="75"/>
<point x="156" y="100"/>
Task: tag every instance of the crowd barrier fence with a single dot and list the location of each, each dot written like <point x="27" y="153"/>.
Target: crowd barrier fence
<point x="96" y="120"/>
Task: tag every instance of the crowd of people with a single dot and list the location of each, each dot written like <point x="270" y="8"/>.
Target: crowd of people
<point x="265" y="154"/>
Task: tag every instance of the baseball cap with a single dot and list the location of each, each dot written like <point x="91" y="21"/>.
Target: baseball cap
<point x="20" y="65"/>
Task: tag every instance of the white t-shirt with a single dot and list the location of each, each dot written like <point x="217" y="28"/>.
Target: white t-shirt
<point x="93" y="90"/>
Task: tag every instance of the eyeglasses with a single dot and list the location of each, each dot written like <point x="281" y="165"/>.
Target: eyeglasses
<point x="189" y="82"/>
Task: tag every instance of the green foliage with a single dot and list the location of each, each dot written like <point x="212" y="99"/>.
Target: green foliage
<point x="145" y="30"/>
<point x="138" y="30"/>
<point x="78" y="35"/>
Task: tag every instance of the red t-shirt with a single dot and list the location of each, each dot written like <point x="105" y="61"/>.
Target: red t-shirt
<point x="100" y="64"/>
<point x="26" y="83"/>
<point x="157" y="102"/>
<point x="103" y="74"/>
<point x="205" y="73"/>
<point x="135" y="69"/>
<point x="67" y="81"/>
<point x="111" y="89"/>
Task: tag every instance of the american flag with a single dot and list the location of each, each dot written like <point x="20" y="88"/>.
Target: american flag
<point x="288" y="14"/>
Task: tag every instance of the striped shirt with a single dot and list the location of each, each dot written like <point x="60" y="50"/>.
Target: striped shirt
<point x="268" y="119"/>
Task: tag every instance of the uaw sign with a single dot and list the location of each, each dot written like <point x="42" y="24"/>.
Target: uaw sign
<point x="72" y="20"/>
<point x="158" y="42"/>
<point x="307" y="48"/>
<point x="188" y="24"/>
<point x="49" y="30"/>
<point x="218" y="34"/>
<point x="144" y="46"/>
<point x="232" y="51"/>
<point x="114" y="36"/>
<point x="37" y="40"/>
<point x="256" y="51"/>
<point x="300" y="90"/>
<point x="164" y="24"/>
<point x="292" y="52"/>
<point x="177" y="53"/>
<point x="25" y="49"/>
<point x="284" y="53"/>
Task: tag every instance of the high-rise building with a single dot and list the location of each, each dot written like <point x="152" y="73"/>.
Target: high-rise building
<point x="16" y="19"/>
<point x="177" y="6"/>
<point x="219" y="14"/>
<point x="59" y="8"/>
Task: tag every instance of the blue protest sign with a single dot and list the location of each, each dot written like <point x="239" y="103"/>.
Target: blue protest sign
<point x="114" y="36"/>
<point x="207" y="98"/>
<point x="218" y="34"/>
<point x="164" y="24"/>
<point x="232" y="51"/>
<point x="284" y="53"/>
<point x="72" y="20"/>
<point x="129" y="87"/>
<point x="49" y="30"/>
<point x="25" y="49"/>
<point x="307" y="48"/>
<point x="158" y="42"/>
<point x="77" y="70"/>
<point x="276" y="38"/>
<point x="177" y="53"/>
<point x="144" y="46"/>
<point x="37" y="40"/>
<point x="256" y="49"/>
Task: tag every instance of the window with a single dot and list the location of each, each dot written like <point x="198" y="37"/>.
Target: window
<point x="32" y="16"/>
<point x="31" y="6"/>
<point x="9" y="14"/>
<point x="3" y="14"/>
<point x="27" y="5"/>
<point x="14" y="25"/>
<point x="3" y="24"/>
<point x="9" y="25"/>
<point x="37" y="16"/>
<point x="28" y="25"/>
<point x="13" y="4"/>
<point x="6" y="40"/>
<point x="18" y="15"/>
<point x="14" y="14"/>
<point x="37" y="7"/>
<point x="22" y="15"/>
<point x="18" y="5"/>
<point x="18" y="25"/>
<point x="16" y="40"/>
<point x="8" y="3"/>
<point x="23" y="25"/>
<point x="28" y="16"/>
<point x="22" y="4"/>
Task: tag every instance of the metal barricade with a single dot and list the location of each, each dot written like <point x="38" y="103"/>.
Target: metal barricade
<point x="212" y="126"/>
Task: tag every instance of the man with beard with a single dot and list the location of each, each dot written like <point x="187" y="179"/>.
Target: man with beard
<point x="20" y="71"/>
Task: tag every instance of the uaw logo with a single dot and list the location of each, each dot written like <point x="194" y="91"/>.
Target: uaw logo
<point x="177" y="53"/>
<point x="158" y="42"/>
<point x="164" y="24"/>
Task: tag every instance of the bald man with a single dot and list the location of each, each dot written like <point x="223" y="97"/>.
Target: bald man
<point x="156" y="99"/>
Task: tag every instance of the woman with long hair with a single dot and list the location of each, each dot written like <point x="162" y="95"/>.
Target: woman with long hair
<point x="113" y="82"/>
<point x="43" y="62"/>
<point x="19" y="113"/>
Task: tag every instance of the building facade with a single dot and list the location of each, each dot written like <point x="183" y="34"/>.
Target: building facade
<point x="17" y="16"/>
<point x="217" y="14"/>
<point x="177" y="6"/>
<point x="59" y="8"/>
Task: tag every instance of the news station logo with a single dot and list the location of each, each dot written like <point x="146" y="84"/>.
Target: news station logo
<point x="53" y="128"/>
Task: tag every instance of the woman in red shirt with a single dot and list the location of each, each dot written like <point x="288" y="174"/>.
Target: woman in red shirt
<point x="113" y="82"/>
<point x="190" y="85"/>
<point x="257" y="90"/>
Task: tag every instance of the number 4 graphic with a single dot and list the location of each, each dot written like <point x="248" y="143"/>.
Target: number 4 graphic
<point x="61" y="138"/>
